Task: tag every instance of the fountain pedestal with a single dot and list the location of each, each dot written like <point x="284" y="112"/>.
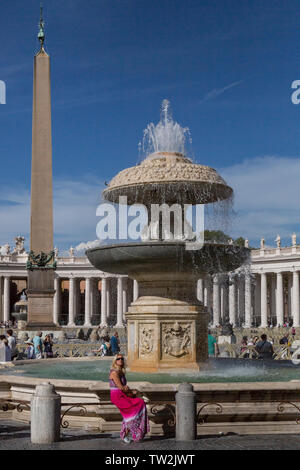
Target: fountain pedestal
<point x="167" y="327"/>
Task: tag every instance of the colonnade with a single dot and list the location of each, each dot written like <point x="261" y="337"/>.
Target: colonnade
<point x="246" y="299"/>
<point x="91" y="306"/>
<point x="90" y="301"/>
<point x="252" y="298"/>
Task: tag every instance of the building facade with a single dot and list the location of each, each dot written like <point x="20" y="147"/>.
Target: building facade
<point x="265" y="293"/>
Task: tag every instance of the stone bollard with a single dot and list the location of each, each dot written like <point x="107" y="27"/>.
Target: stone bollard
<point x="186" y="413"/>
<point x="45" y="415"/>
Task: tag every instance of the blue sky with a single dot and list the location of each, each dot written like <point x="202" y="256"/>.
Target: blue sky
<point x="226" y="66"/>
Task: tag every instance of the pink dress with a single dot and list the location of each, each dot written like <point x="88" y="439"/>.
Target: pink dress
<point x="133" y="411"/>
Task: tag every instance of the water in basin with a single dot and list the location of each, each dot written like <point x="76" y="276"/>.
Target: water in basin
<point x="219" y="371"/>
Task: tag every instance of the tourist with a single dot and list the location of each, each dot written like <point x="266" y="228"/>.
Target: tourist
<point x="132" y="408"/>
<point x="244" y="348"/>
<point x="12" y="344"/>
<point x="213" y="348"/>
<point x="4" y="344"/>
<point x="115" y="343"/>
<point x="285" y="340"/>
<point x="293" y="332"/>
<point x="48" y="346"/>
<point x="264" y="348"/>
<point x="29" y="349"/>
<point x="105" y="348"/>
<point x="38" y="345"/>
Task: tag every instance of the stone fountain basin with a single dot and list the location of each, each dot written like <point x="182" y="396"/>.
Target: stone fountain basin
<point x="241" y="407"/>
<point x="167" y="257"/>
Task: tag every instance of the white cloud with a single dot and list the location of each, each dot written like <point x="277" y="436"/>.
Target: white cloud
<point x="219" y="91"/>
<point x="75" y="204"/>
<point x="267" y="194"/>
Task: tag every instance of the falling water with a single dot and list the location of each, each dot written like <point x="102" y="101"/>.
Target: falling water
<point x="166" y="136"/>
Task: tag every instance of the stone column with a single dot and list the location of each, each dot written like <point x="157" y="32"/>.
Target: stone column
<point x="232" y="305"/>
<point x="71" y="322"/>
<point x="264" y="301"/>
<point x="103" y="302"/>
<point x="248" y="300"/>
<point x="241" y="300"/>
<point x="273" y="295"/>
<point x="290" y="284"/>
<point x="92" y="296"/>
<point x="57" y="300"/>
<point x="119" y="303"/>
<point x="207" y="294"/>
<point x="216" y="301"/>
<point x="296" y="322"/>
<point x="124" y="294"/>
<point x="222" y="303"/>
<point x="257" y="302"/>
<point x="279" y="299"/>
<point x="135" y="290"/>
<point x="1" y="301"/>
<point x="200" y="291"/>
<point x="108" y="302"/>
<point x="87" y="302"/>
<point x="6" y="300"/>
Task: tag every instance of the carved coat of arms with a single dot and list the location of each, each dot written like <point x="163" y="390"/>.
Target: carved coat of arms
<point x="176" y="339"/>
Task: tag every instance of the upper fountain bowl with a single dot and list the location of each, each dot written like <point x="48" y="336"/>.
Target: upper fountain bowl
<point x="144" y="259"/>
<point x="168" y="177"/>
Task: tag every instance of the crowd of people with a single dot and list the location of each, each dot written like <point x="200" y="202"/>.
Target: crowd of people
<point x="110" y="345"/>
<point x="39" y="348"/>
<point x="253" y="347"/>
<point x="9" y="324"/>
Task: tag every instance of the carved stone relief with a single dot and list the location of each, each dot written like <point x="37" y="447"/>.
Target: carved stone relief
<point x="176" y="339"/>
<point x="146" y="339"/>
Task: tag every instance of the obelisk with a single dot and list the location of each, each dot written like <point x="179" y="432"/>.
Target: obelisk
<point x="41" y="263"/>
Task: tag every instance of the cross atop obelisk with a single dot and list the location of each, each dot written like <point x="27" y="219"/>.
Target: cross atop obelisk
<point x="41" y="257"/>
<point x="41" y="35"/>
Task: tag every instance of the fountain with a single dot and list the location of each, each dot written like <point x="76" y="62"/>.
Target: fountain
<point x="167" y="329"/>
<point x="20" y="310"/>
<point x="167" y="325"/>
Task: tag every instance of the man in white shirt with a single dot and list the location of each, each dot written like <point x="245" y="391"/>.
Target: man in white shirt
<point x="12" y="344"/>
<point x="5" y="352"/>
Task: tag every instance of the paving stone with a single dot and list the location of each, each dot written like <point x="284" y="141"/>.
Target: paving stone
<point x="16" y="436"/>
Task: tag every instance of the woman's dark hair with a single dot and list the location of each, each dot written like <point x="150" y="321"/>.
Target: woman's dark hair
<point x="9" y="332"/>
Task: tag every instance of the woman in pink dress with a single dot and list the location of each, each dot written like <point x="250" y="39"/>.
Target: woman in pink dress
<point x="132" y="408"/>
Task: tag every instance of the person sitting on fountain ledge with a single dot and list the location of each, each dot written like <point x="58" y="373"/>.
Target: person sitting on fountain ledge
<point x="132" y="408"/>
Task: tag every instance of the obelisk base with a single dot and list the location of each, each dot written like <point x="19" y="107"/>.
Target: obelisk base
<point x="40" y="298"/>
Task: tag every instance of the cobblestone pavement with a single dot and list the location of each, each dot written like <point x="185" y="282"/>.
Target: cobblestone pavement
<point x="16" y="436"/>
